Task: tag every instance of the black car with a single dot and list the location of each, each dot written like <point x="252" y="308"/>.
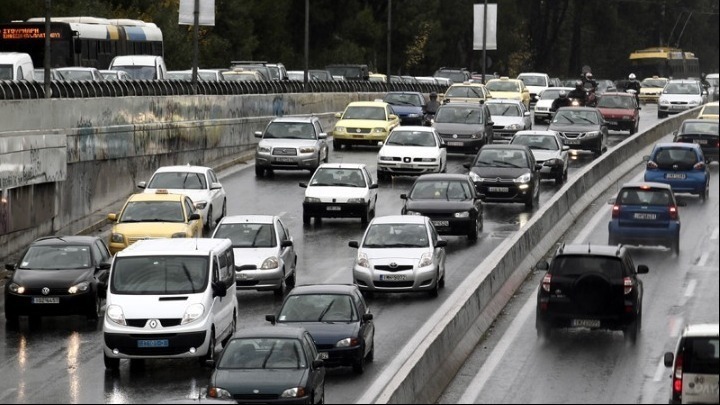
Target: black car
<point x="338" y="319"/>
<point x="506" y="173"/>
<point x="465" y="127"/>
<point x="269" y="365"/>
<point x="702" y="132"/>
<point x="58" y="275"/>
<point x="449" y="200"/>
<point x="590" y="286"/>
<point x="408" y="105"/>
<point x="581" y="128"/>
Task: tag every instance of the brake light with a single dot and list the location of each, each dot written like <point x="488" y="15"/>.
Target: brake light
<point x="628" y="284"/>
<point x="546" y="282"/>
<point x="616" y="211"/>
<point x="678" y="375"/>
<point x="652" y="165"/>
<point x="699" y="166"/>
<point x="672" y="210"/>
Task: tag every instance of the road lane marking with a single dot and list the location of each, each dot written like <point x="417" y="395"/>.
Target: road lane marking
<point x="714" y="235"/>
<point x="703" y="259"/>
<point x="690" y="290"/>
<point x="493" y="361"/>
<point x="660" y="371"/>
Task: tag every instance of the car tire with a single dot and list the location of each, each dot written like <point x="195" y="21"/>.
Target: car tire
<point x="543" y="330"/>
<point x="210" y="355"/>
<point x="111" y="364"/>
<point x="233" y="328"/>
<point x="676" y="246"/>
<point x="705" y="193"/>
<point x="290" y="280"/>
<point x="259" y="171"/>
<point x="366" y="218"/>
<point x="224" y="210"/>
<point x="208" y="223"/>
<point x="661" y="115"/>
<point x="359" y="365"/>
<point x="337" y="145"/>
<point x="279" y="291"/>
<point x="436" y="290"/>
<point x="634" y="128"/>
<point x="441" y="284"/>
<point x="327" y="155"/>
<point x="93" y="314"/>
<point x="371" y="354"/>
<point x="560" y="178"/>
<point x="533" y="201"/>
<point x="474" y="232"/>
<point x="12" y="320"/>
<point x="632" y="332"/>
<point x="306" y="218"/>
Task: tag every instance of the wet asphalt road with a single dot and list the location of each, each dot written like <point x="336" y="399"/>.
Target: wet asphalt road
<point x="60" y="360"/>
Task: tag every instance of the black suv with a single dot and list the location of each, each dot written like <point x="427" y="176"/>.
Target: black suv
<point x="702" y="132"/>
<point x="590" y="286"/>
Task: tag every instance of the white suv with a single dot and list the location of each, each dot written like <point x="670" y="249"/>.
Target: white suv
<point x="680" y="95"/>
<point x="695" y="366"/>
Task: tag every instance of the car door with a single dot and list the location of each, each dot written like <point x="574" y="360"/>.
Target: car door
<point x="222" y="306"/>
<point x="287" y="254"/>
<point x="316" y="376"/>
<point x="195" y="226"/>
<point x="372" y="191"/>
<point x="441" y="144"/>
<point x="367" y="328"/>
<point x="321" y="143"/>
<point x="216" y="196"/>
<point x="438" y="252"/>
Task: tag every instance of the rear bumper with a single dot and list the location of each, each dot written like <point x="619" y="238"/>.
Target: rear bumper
<point x="694" y="183"/>
<point x="637" y="234"/>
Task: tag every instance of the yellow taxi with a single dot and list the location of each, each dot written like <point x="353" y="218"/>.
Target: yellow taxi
<point x="710" y="111"/>
<point x="466" y="93"/>
<point x="512" y="89"/>
<point x="154" y="216"/>
<point x="364" y="123"/>
<point x="651" y="88"/>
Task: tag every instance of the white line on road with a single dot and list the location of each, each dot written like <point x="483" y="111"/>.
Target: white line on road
<point x="486" y="371"/>
<point x="660" y="371"/>
<point x="714" y="235"/>
<point x="690" y="290"/>
<point x="703" y="259"/>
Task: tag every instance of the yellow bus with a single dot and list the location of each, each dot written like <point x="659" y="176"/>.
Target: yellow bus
<point x="664" y="62"/>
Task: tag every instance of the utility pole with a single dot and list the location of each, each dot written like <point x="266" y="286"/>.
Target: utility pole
<point x="196" y="45"/>
<point x="389" y="42"/>
<point x="307" y="46"/>
<point x="484" y="41"/>
<point x="46" y="57"/>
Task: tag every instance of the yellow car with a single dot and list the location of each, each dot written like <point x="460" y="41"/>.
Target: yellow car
<point x="512" y="89"/>
<point x="466" y="93"/>
<point x="364" y="123"/>
<point x="154" y="216"/>
<point x="710" y="111"/>
<point x="651" y="88"/>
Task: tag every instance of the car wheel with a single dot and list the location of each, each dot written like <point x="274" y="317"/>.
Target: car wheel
<point x="533" y="200"/>
<point x="290" y="281"/>
<point x="365" y="219"/>
<point x="327" y="155"/>
<point x="436" y="290"/>
<point x="661" y="114"/>
<point x="705" y="193"/>
<point x="210" y="355"/>
<point x="93" y="314"/>
<point x="208" y="223"/>
<point x="632" y="332"/>
<point x="359" y="365"/>
<point x="259" y="171"/>
<point x="224" y="210"/>
<point x="634" y="128"/>
<point x="676" y="246"/>
<point x="279" y="291"/>
<point x="443" y="167"/>
<point x="306" y="218"/>
<point x="542" y="329"/>
<point x="560" y="178"/>
<point x="371" y="354"/>
<point x="233" y="328"/>
<point x="336" y="144"/>
<point x="111" y="364"/>
<point x="474" y="232"/>
<point x="12" y="320"/>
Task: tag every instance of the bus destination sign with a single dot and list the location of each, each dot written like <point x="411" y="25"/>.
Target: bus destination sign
<point x="26" y="33"/>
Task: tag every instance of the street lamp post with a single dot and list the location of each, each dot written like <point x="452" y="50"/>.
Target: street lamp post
<point x="484" y="41"/>
<point x="389" y="41"/>
<point x="46" y="57"/>
<point x="307" y="45"/>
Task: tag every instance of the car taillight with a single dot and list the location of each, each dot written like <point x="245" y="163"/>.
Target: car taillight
<point x="616" y="211"/>
<point x="652" y="165"/>
<point x="672" y="210"/>
<point x="628" y="284"/>
<point x="546" y="282"/>
<point x="699" y="166"/>
<point x="678" y="375"/>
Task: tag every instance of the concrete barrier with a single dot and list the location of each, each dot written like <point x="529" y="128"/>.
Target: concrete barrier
<point x="422" y="370"/>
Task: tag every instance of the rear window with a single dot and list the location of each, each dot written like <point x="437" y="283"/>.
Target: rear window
<point x="696" y="127"/>
<point x="575" y="266"/>
<point x="637" y="196"/>
<point x="701" y="356"/>
<point x="675" y="158"/>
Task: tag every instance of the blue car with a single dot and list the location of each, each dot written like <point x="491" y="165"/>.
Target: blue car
<point x="647" y="214"/>
<point x="681" y="166"/>
<point x="408" y="105"/>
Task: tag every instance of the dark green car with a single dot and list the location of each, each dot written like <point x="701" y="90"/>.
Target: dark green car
<point x="269" y="365"/>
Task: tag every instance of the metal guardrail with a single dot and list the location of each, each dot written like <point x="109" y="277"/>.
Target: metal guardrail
<point x="22" y="90"/>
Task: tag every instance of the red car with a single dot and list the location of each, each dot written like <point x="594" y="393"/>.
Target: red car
<point x="621" y="111"/>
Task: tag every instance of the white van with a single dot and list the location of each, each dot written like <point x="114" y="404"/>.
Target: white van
<point x="170" y="298"/>
<point x="16" y="66"/>
<point x="695" y="366"/>
<point x="141" y="67"/>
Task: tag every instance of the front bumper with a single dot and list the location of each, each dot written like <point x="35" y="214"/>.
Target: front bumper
<point x="340" y="356"/>
<point x="360" y="139"/>
<point x="334" y="210"/>
<point x="303" y="161"/>
<point x="76" y="304"/>
<point x="565" y="320"/>
<point x="503" y="192"/>
<point x="178" y="345"/>
<point x="463" y="145"/>
<point x="416" y="280"/>
<point x="675" y="108"/>
<point x="407" y="169"/>
<point x="260" y="280"/>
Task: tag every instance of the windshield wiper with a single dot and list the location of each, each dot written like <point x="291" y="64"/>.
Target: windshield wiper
<point x="505" y="164"/>
<point x="187" y="275"/>
<point x="483" y="162"/>
<point x="272" y="349"/>
<point x="325" y="311"/>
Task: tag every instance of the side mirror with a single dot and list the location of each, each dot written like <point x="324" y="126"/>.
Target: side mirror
<point x="373" y="186"/>
<point x="643" y="269"/>
<point x="681" y="204"/>
<point x="646" y="158"/>
<point x="303" y="185"/>
<point x="338" y="115"/>
<point x="441" y="243"/>
<point x="194" y="217"/>
<point x="367" y="317"/>
<point x="318" y="363"/>
<point x="467" y="165"/>
<point x="142" y="185"/>
<point x="104" y="266"/>
<point x="112" y="217"/>
<point x="403" y="196"/>
<point x="354" y="244"/>
<point x="393" y="117"/>
<point x="286" y="243"/>
<point x="538" y="167"/>
<point x="323" y="135"/>
<point x="10" y="267"/>
<point x="215" y="186"/>
<point x="380" y="143"/>
<point x="219" y="289"/>
<point x="668" y="359"/>
<point x="258" y="134"/>
<point x="565" y="148"/>
<point x="542" y="265"/>
<point x="271" y="319"/>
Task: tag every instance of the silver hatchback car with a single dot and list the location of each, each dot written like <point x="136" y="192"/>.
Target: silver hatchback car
<point x="400" y="253"/>
<point x="291" y="143"/>
<point x="264" y="253"/>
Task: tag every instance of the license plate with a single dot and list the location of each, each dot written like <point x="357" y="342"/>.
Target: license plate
<point x="441" y="223"/>
<point x="358" y="136"/>
<point x="46" y="300"/>
<point x="700" y="141"/>
<point x="323" y="355"/>
<point x="455" y="144"/>
<point x="153" y="343"/>
<point x="611" y="122"/>
<point x="642" y="215"/>
<point x="393" y="277"/>
<point x="333" y="208"/>
<point x="586" y="323"/>
<point x="406" y="166"/>
<point x="675" y="175"/>
<point x="498" y="189"/>
<point x="572" y="142"/>
<point x="284" y="160"/>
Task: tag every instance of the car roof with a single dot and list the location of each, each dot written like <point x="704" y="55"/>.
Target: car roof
<point x="531" y="132"/>
<point x="78" y="68"/>
<point x="593" y="250"/>
<point x="368" y="104"/>
<point x="699" y="120"/>
<point x="506" y="147"/>
<point x="461" y="104"/>
<point x="295" y="119"/>
<point x="418" y="128"/>
<point x="642" y="184"/>
<point x="442" y="176"/>
<point x="399" y="219"/>
<point x="323" y="289"/>
<point x="503" y="101"/>
<point x="175" y="247"/>
<point x="62" y="239"/>
<point x="286" y="332"/>
<point x="250" y="219"/>
<point x="342" y="166"/>
<point x="617" y="93"/>
<point x="580" y="109"/>
<point x="188" y="169"/>
<point x="156" y="197"/>
<point x="702" y="330"/>
<point x="686" y="81"/>
<point x="677" y="145"/>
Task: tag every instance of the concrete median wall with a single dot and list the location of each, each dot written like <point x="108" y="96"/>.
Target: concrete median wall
<point x="421" y="372"/>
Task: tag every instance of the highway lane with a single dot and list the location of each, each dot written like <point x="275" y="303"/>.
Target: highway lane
<point x="514" y="366"/>
<point x="64" y="357"/>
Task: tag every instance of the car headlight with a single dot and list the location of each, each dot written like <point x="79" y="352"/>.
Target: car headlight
<point x="525" y="178"/>
<point x="201" y="205"/>
<point x="340" y="129"/>
<point x="413" y="115"/>
<point x="362" y="260"/>
<point x="348" y="342"/>
<point x="592" y="134"/>
<point x="553" y="162"/>
<point x="428" y="160"/>
<point x="218" y="393"/>
<point x="307" y="150"/>
<point x="312" y="200"/>
<point x="474" y="177"/>
<point x="694" y="102"/>
<point x="264" y="149"/>
<point x="297" y="392"/>
<point x="426" y="260"/>
<point x="117" y="238"/>
<point x="664" y="102"/>
<point x="514" y="127"/>
<point x="385" y="158"/>
<point x="115" y="314"/>
<point x="180" y="235"/>
<point x="413" y="213"/>
<point x="16" y="288"/>
<point x="465" y="214"/>
<point x="79" y="288"/>
<point x="378" y="130"/>
<point x="270" y="263"/>
<point x="476" y="136"/>
<point x="356" y="201"/>
<point x="192" y="313"/>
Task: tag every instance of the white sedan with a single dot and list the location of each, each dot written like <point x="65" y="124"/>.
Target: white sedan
<point x="340" y="190"/>
<point x="197" y="182"/>
<point x="411" y="150"/>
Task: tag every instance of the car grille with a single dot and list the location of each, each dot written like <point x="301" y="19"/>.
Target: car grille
<point x="679" y="102"/>
<point x="393" y="284"/>
<point x="358" y="130"/>
<point x="255" y="397"/>
<point x="284" y="152"/>
<point x="571" y="135"/>
<point x="53" y="291"/>
<point x="246" y="267"/>
<point x="140" y="323"/>
<point x="542" y="109"/>
<point x="396" y="268"/>
<point x="498" y="127"/>
<point x="453" y="136"/>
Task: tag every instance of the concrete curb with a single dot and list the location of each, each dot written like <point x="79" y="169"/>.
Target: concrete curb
<point x="421" y="371"/>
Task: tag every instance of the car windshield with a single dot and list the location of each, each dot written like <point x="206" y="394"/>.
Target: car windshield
<point x="62" y="257"/>
<point x="152" y="211"/>
<point x="321" y="75"/>
<point x="705" y="127"/>
<point x="575" y="266"/>
<point x="464" y="92"/>
<point x="501" y="158"/>
<point x="539" y="142"/>
<point x="656" y="83"/>
<point x="712" y="110"/>
<point x="504" y="110"/>
<point x="318" y="308"/>
<point x="551" y="94"/>
<point x="672" y="158"/>
<point x="459" y="115"/>
<point x="178" y="181"/>
<point x="404" y="99"/>
<point x="502" y="85"/>
<point x="6" y="72"/>
<point x="289" y="130"/>
<point x="247" y="235"/>
<point x="619" y="102"/>
<point x="701" y="355"/>
<point x="159" y="275"/>
<point x="411" y="138"/>
<point x="576" y="117"/>
<point x="109" y="76"/>
<point x="382" y="236"/>
<point x="364" y="113"/>
<point x="71" y="75"/>
<point x="639" y="196"/>
<point x="138" y="72"/>
<point x="681" y="88"/>
<point x="441" y="190"/>
<point x="533" y="80"/>
<point x="240" y="77"/>
<point x="455" y="77"/>
<point x="337" y="177"/>
<point x="263" y="354"/>
<point x="350" y="73"/>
